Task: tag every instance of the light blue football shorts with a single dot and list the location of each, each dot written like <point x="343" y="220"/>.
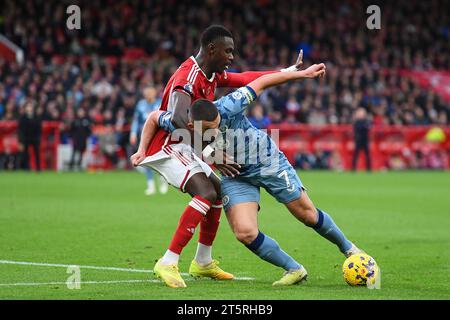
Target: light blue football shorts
<point x="282" y="183"/>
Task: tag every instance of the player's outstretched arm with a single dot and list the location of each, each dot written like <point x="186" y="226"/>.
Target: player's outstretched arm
<point x="274" y="79"/>
<point x="236" y="80"/>
<point x="148" y="132"/>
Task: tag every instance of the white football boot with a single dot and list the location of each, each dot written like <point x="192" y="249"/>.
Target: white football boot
<point x="151" y="189"/>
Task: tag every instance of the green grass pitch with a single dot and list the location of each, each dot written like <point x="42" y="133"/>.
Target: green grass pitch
<point x="104" y="220"/>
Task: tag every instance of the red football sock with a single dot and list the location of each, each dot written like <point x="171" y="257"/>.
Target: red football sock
<point x="189" y="220"/>
<point x="209" y="225"/>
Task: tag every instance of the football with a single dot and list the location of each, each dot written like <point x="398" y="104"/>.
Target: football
<point x="360" y="270"/>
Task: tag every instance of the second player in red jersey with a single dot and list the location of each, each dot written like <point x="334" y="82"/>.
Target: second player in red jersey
<point x="192" y="81"/>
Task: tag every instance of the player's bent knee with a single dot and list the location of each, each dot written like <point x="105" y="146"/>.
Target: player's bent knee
<point x="246" y="236"/>
<point x="199" y="185"/>
<point x="310" y="217"/>
<point x="210" y="195"/>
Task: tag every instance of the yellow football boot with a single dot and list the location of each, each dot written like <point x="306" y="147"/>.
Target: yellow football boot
<point x="292" y="277"/>
<point x="169" y="274"/>
<point x="211" y="270"/>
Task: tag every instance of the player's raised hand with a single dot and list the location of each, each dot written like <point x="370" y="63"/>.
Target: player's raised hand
<point x="314" y="71"/>
<point x="299" y="61"/>
<point x="297" y="65"/>
<point x="137" y="158"/>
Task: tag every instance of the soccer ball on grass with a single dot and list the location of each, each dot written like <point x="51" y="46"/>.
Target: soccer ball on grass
<point x="360" y="270"/>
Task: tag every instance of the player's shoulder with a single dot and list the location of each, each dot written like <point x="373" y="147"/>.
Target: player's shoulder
<point x="186" y="75"/>
<point x="186" y="65"/>
<point x="187" y="69"/>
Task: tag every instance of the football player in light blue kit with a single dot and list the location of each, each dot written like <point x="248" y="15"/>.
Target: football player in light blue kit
<point x="143" y="108"/>
<point x="262" y="165"/>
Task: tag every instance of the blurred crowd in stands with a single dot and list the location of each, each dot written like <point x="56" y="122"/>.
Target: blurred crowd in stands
<point x="124" y="46"/>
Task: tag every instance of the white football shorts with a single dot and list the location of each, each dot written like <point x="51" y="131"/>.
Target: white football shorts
<point x="177" y="163"/>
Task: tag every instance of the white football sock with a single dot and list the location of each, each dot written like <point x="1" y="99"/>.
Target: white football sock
<point x="163" y="186"/>
<point x="203" y="255"/>
<point x="151" y="184"/>
<point x="170" y="258"/>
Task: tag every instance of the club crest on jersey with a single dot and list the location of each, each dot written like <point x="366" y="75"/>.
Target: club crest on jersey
<point x="222" y="143"/>
<point x="223" y="128"/>
<point x="188" y="87"/>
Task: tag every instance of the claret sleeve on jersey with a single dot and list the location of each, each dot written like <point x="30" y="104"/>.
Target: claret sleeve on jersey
<point x="236" y="80"/>
<point x="236" y="101"/>
<point x="165" y="121"/>
<point x="183" y="82"/>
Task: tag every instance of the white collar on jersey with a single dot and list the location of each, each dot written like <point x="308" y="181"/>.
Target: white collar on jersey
<point x="212" y="77"/>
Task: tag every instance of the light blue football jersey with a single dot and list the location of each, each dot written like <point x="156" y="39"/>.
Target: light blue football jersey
<point x="250" y="147"/>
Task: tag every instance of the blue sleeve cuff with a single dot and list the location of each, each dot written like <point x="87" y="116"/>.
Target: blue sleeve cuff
<point x="250" y="89"/>
<point x="165" y="121"/>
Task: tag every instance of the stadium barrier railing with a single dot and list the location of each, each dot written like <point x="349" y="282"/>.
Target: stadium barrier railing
<point x="387" y="142"/>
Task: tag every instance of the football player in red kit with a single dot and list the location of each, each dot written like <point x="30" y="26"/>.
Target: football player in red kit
<point x="196" y="78"/>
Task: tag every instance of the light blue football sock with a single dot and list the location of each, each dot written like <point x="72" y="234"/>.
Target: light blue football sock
<point x="268" y="249"/>
<point x="329" y="230"/>
<point x="149" y="174"/>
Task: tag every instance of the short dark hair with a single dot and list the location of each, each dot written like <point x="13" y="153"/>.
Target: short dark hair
<point x="214" y="32"/>
<point x="203" y="109"/>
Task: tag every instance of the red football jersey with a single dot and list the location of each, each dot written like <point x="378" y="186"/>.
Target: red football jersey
<point x="190" y="79"/>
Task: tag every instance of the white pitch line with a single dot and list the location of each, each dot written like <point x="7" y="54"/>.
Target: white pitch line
<point x="64" y="283"/>
<point x="42" y="264"/>
<point x="29" y="284"/>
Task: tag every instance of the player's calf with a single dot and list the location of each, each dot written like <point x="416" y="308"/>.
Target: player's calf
<point x="191" y="217"/>
<point x="269" y="250"/>
<point x="208" y="231"/>
<point x="244" y="223"/>
<point x="304" y="210"/>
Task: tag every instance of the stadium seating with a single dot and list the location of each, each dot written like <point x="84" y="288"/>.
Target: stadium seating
<point x="387" y="141"/>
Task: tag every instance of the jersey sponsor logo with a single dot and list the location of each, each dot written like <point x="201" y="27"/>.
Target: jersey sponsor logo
<point x="237" y="95"/>
<point x="188" y="87"/>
